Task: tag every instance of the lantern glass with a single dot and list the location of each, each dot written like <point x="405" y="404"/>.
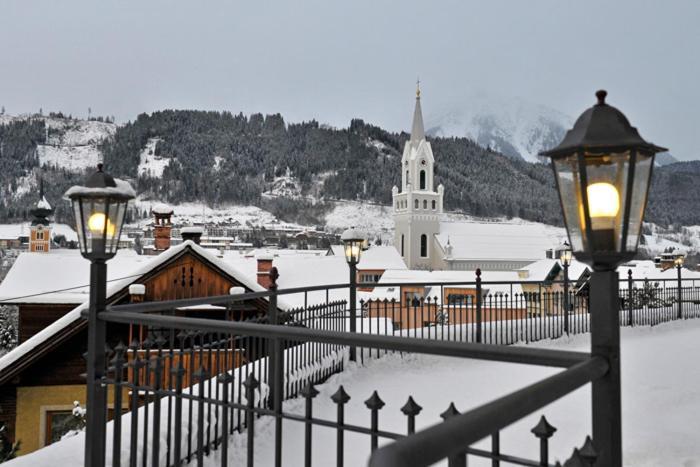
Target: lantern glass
<point x="638" y="200"/>
<point x="99" y="223"/>
<point x="353" y="250"/>
<point x="593" y="190"/>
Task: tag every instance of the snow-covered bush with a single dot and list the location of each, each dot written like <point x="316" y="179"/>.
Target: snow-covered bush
<point x="8" y="328"/>
<point x="8" y="450"/>
<point x="74" y="424"/>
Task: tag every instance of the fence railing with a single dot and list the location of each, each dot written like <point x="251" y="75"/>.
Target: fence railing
<point x="193" y="385"/>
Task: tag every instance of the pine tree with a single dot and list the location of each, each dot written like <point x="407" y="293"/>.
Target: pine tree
<point x="8" y="329"/>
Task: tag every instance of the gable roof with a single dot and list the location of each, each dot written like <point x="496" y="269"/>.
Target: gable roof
<point x="489" y="241"/>
<point x="54" y="334"/>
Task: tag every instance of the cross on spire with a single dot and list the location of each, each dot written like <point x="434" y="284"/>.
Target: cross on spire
<point x="418" y="88"/>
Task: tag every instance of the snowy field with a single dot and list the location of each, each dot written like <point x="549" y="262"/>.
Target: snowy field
<point x="661" y="401"/>
<point x="661" y="404"/>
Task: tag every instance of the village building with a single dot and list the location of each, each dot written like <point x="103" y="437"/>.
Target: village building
<point x="426" y="240"/>
<point x="41" y="378"/>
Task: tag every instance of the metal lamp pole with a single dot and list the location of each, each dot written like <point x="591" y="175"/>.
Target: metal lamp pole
<point x="679" y="266"/>
<point x="566" y="297"/>
<point x="95" y="434"/>
<point x="353" y="306"/>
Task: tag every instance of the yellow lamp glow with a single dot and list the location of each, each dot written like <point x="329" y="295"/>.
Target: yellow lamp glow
<point x="96" y="224"/>
<point x="603" y="201"/>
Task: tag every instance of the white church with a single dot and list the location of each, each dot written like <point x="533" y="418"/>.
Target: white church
<point x="428" y="239"/>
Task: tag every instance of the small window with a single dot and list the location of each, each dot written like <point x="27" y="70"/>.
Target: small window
<point x="402" y="253"/>
<point x="424" y="246"/>
<point x="425" y="204"/>
<point x="434" y="205"/>
<point x="416" y="204"/>
<point x="422" y="179"/>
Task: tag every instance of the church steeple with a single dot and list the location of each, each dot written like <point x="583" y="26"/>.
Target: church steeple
<point x="417" y="131"/>
<point x="40" y="229"/>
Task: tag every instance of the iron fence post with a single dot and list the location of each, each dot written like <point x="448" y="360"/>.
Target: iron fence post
<point x="276" y="368"/>
<point x="605" y="343"/>
<point x="630" y="304"/>
<point x="566" y="298"/>
<point x="96" y="359"/>
<point x="680" y="293"/>
<point x="353" y="306"/>
<point x="478" y="305"/>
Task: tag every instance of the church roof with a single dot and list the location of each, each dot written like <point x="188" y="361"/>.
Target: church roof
<point x="417" y="130"/>
<point x="498" y="241"/>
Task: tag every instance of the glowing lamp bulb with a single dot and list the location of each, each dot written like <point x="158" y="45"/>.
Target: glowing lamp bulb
<point x="96" y="224"/>
<point x="603" y="200"/>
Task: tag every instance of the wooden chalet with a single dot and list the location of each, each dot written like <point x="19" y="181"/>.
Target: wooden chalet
<point x="41" y="378"/>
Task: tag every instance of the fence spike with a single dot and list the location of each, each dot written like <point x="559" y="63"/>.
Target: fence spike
<point x="340" y="396"/>
<point x="450" y="412"/>
<point x="575" y="460"/>
<point x="411" y="407"/>
<point x="588" y="452"/>
<point x="309" y="391"/>
<point x="374" y="402"/>
<point x="543" y="429"/>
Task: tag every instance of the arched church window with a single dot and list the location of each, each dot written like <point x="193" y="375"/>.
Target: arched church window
<point x="402" y="245"/>
<point x="425" y="204"/>
<point x="424" y="246"/>
<point x="407" y="179"/>
<point x="422" y="179"/>
<point x="434" y="205"/>
<point x="416" y="204"/>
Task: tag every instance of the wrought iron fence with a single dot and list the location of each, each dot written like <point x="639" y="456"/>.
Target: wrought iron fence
<point x="192" y="385"/>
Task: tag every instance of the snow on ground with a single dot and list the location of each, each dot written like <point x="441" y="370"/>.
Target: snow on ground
<point x="71" y="158"/>
<point x="375" y="219"/>
<point x="233" y="215"/>
<point x="151" y="165"/>
<point x="661" y="402"/>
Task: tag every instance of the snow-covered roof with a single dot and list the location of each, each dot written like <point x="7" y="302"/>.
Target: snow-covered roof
<point x="647" y="270"/>
<point x="15" y="231"/>
<point x="300" y="271"/>
<point x="461" y="279"/>
<point x="279" y="252"/>
<point x="539" y="270"/>
<point x="114" y="286"/>
<point x="380" y="257"/>
<point x="60" y="276"/>
<point x="499" y="240"/>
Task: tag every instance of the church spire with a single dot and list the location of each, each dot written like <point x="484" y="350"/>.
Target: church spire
<point x="417" y="131"/>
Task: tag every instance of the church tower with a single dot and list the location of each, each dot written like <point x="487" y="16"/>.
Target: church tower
<point x="417" y="205"/>
<point x="40" y="229"/>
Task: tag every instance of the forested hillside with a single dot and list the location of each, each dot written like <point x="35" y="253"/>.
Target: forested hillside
<point x="219" y="158"/>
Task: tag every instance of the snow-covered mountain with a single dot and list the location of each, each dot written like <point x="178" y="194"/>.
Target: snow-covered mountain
<point x="513" y="126"/>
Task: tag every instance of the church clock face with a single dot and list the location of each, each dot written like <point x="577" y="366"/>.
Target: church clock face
<point x="422" y="162"/>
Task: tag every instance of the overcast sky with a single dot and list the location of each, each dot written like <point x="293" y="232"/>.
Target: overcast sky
<point x="335" y="60"/>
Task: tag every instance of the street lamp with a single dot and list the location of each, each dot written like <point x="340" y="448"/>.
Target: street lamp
<point x="565" y="258"/>
<point x="680" y="259"/>
<point x="353" y="240"/>
<point x="99" y="207"/>
<point x="602" y="170"/>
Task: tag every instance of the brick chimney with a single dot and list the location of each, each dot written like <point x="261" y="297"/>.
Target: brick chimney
<point x="192" y="233"/>
<point x="264" y="268"/>
<point x="163" y="226"/>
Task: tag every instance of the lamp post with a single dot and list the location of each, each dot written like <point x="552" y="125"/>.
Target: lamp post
<point x="602" y="170"/>
<point x="99" y="208"/>
<point x="353" y="241"/>
<point x="565" y="258"/>
<point x="679" y="265"/>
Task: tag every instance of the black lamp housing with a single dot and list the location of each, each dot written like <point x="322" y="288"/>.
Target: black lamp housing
<point x="603" y="170"/>
<point x="100" y="207"/>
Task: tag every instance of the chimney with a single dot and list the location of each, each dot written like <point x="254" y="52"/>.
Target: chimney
<point x="192" y="233"/>
<point x="137" y="293"/>
<point x="163" y="226"/>
<point x="264" y="268"/>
